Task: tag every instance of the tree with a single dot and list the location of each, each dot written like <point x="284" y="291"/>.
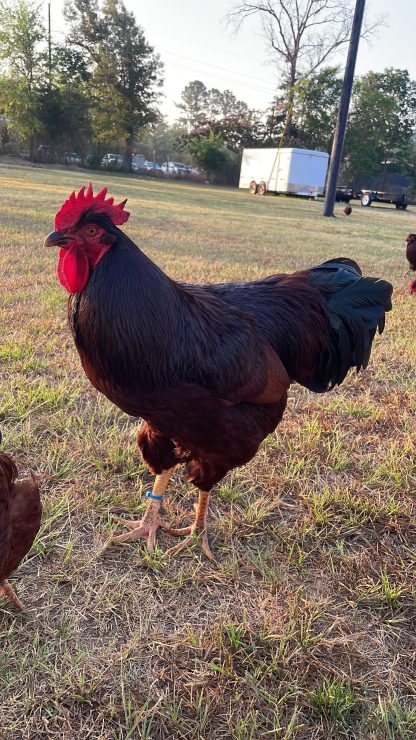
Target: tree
<point x="302" y="34"/>
<point x="21" y="34"/>
<point x="316" y="104"/>
<point x="211" y="154"/>
<point x="275" y="117"/>
<point x="22" y="60"/>
<point x="194" y="105"/>
<point x="382" y="121"/>
<point x="236" y="132"/>
<point x="64" y="101"/>
<point x="125" y="70"/>
<point x="199" y="104"/>
<point x="224" y="104"/>
<point x="20" y="108"/>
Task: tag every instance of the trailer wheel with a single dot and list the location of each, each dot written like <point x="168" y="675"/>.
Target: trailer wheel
<point x="262" y="189"/>
<point x="401" y="206"/>
<point x="252" y="188"/>
<point x="366" y="199"/>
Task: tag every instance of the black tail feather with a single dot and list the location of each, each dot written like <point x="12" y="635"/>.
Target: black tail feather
<point x="356" y="308"/>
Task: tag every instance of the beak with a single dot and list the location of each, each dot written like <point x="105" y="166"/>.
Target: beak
<point x="55" y="239"/>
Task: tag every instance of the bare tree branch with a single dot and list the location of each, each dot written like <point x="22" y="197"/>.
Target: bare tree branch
<point x="303" y="34"/>
<point x="293" y="26"/>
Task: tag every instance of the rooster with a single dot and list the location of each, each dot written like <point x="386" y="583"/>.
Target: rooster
<point x="207" y="367"/>
<point x="411" y="258"/>
<point x="20" y="514"/>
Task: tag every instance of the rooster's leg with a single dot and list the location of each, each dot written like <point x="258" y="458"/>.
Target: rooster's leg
<point x="6" y="590"/>
<point x="147" y="526"/>
<point x="198" y="528"/>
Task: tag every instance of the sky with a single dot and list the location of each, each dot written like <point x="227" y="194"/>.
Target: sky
<point x="195" y="43"/>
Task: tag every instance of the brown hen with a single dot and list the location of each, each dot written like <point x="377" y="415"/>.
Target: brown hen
<point x="411" y="258"/>
<point x="20" y="513"/>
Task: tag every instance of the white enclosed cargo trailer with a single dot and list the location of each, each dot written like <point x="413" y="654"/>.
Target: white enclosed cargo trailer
<point x="291" y="171"/>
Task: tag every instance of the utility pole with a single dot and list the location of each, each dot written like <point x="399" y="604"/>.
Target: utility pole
<point x="49" y="46"/>
<point x="339" y="135"/>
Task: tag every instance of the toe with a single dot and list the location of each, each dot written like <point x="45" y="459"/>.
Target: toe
<point x="194" y="538"/>
<point x="131" y="523"/>
<point x="135" y="534"/>
<point x="176" y="532"/>
<point x="180" y="546"/>
<point x="151" y="540"/>
<point x="205" y="547"/>
<point x="6" y="590"/>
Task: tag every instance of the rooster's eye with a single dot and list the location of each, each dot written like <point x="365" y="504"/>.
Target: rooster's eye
<point x="91" y="230"/>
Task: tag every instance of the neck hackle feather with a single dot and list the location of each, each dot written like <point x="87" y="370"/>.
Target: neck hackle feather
<point x="77" y="204"/>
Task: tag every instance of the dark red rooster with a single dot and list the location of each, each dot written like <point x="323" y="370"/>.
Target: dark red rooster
<point x="411" y="258"/>
<point x="20" y="513"/>
<point x="207" y="366"/>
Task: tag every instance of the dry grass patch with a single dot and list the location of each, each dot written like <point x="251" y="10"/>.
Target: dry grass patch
<point x="305" y="626"/>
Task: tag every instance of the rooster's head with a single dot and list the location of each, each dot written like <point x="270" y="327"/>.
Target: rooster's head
<point x="85" y="229"/>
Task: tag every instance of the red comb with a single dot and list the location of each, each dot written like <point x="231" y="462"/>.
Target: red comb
<point x="71" y="210"/>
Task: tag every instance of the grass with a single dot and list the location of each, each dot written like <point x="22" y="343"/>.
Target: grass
<point x="305" y="625"/>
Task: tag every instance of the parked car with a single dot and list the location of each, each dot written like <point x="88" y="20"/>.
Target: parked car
<point x="195" y="173"/>
<point x="93" y="160"/>
<point x="44" y="153"/>
<point x="137" y="161"/>
<point x="175" y="169"/>
<point x="112" y="161"/>
<point x="151" y="168"/>
<point x="145" y="166"/>
<point x="168" y="168"/>
<point x="72" y="158"/>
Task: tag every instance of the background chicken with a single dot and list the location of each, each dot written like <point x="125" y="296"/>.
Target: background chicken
<point x="20" y="514"/>
<point x="411" y="257"/>
<point x="207" y="367"/>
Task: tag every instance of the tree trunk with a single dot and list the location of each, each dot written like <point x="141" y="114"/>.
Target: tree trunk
<point x="128" y="151"/>
<point x="287" y="131"/>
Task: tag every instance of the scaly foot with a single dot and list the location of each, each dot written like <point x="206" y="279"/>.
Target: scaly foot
<point x="147" y="527"/>
<point x="198" y="528"/>
<point x="6" y="590"/>
<point x="143" y="528"/>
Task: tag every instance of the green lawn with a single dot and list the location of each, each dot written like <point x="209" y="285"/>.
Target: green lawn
<point x="305" y="625"/>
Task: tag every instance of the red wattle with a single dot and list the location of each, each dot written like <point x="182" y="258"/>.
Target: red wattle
<point x="73" y="269"/>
